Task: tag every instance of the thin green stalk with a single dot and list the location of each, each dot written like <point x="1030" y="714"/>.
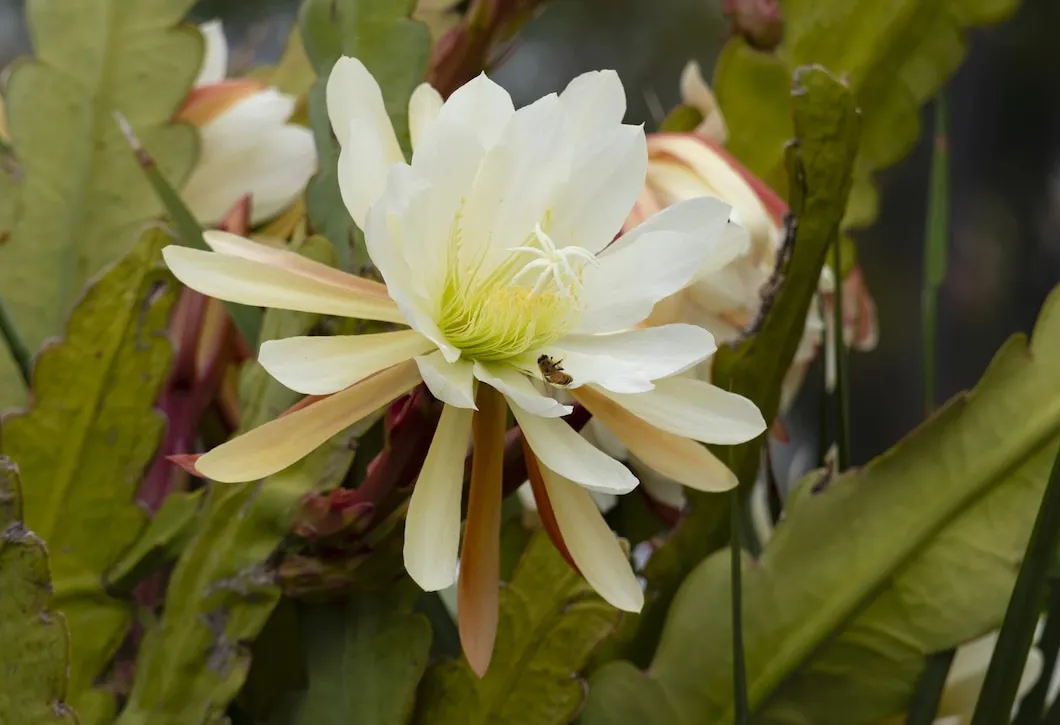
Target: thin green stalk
<point x="935" y="240"/>
<point x="246" y="319"/>
<point x="925" y="705"/>
<point x="842" y="384"/>
<point x="741" y="709"/>
<point x="1017" y="631"/>
<point x="1033" y="704"/>
<point x="19" y="351"/>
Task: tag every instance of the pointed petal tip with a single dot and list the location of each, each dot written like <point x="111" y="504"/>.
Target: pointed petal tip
<point x="187" y="462"/>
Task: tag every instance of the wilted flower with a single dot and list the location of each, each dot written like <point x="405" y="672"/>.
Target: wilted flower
<point x="248" y="145"/>
<point x="495" y="244"/>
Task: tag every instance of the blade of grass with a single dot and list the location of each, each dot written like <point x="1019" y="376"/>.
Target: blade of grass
<point x="19" y="351"/>
<point x="929" y="689"/>
<point x="842" y="385"/>
<point x="247" y="319"/>
<point x="1033" y="704"/>
<point x="741" y="709"/>
<point x="1017" y="631"/>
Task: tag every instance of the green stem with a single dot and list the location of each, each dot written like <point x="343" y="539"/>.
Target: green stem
<point x="925" y="706"/>
<point x="739" y="668"/>
<point x="19" y="351"/>
<point x="1033" y="704"/>
<point x="1017" y="631"/>
<point x="842" y="384"/>
<point x="935" y="239"/>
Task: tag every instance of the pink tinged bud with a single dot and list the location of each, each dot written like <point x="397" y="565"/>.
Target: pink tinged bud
<point x="759" y="22"/>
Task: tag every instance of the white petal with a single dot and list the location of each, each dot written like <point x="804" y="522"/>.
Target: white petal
<point x="680" y="459"/>
<point x="591" y="543"/>
<point x="694" y="409"/>
<point x="362" y="170"/>
<point x="450" y="382"/>
<point x="354" y="95"/>
<point x="481" y="106"/>
<point x="516" y="386"/>
<point x="424" y="106"/>
<point x="289" y="438"/>
<point x="649" y="353"/>
<point x="382" y="226"/>
<point x="215" y="55"/>
<point x="322" y="365"/>
<point x="594" y="101"/>
<point x="606" y="179"/>
<point x="249" y="282"/>
<point x="561" y="449"/>
<point x="704" y="217"/>
<point x="622" y="290"/>
<point x="432" y="525"/>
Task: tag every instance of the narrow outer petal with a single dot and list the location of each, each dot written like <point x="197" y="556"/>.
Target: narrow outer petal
<point x="681" y="459"/>
<point x="561" y="449"/>
<point x="591" y="543"/>
<point x="693" y="409"/>
<point x="517" y="387"/>
<point x="248" y="282"/>
<point x="478" y="604"/>
<point x="450" y="382"/>
<point x="353" y="94"/>
<point x="286" y="440"/>
<point x="322" y="365"/>
<point x="432" y="526"/>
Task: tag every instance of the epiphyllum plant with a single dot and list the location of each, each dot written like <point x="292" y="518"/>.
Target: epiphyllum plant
<point x="495" y="244"/>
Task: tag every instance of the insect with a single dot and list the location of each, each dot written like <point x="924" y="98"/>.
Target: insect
<point x="553" y="371"/>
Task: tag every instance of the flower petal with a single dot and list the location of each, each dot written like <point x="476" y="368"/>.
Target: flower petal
<point x="560" y="448"/>
<point x="362" y="170"/>
<point x="354" y="95"/>
<point x="322" y="365"/>
<point x="594" y="101"/>
<point x="482" y="106"/>
<point x="450" y="382"/>
<point x="215" y="56"/>
<point x="432" y="525"/>
<point x="693" y="409"/>
<point x="478" y="608"/>
<point x="704" y="217"/>
<point x="424" y="106"/>
<point x="606" y="179"/>
<point x="517" y="387"/>
<point x="234" y="245"/>
<point x="591" y="543"/>
<point x="681" y="459"/>
<point x="624" y="288"/>
<point x="250" y="282"/>
<point x="286" y="440"/>
<point x="647" y="353"/>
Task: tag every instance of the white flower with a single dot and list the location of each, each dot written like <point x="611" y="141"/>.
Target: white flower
<point x="495" y="244"/>
<point x="248" y="145"/>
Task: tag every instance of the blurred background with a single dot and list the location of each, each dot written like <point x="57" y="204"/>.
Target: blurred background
<point x="1005" y="174"/>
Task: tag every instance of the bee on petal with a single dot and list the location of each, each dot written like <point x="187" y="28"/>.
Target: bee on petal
<point x="553" y="371"/>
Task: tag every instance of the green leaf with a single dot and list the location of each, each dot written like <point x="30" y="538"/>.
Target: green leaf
<point x="83" y="198"/>
<point x="35" y="642"/>
<point x="394" y="48"/>
<point x="826" y="123"/>
<point x="868" y="574"/>
<point x="365" y="658"/>
<point x="223" y="588"/>
<point x="161" y="542"/>
<point x="84" y="445"/>
<point x="550" y="622"/>
<point x="894" y="55"/>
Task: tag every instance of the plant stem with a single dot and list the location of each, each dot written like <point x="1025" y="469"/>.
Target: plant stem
<point x="925" y="705"/>
<point x="741" y="709"/>
<point x="19" y="351"/>
<point x="1017" y="631"/>
<point x="842" y="384"/>
<point x="935" y="240"/>
<point x="1033" y="704"/>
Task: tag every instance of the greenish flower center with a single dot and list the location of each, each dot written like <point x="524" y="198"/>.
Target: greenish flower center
<point x="529" y="300"/>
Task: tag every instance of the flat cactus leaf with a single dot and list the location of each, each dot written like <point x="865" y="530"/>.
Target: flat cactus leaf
<point x="35" y="641"/>
<point x="82" y="198"/>
<point x="83" y="446"/>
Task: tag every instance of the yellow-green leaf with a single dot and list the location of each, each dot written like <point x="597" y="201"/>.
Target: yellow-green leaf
<point x="895" y="56"/>
<point x="550" y="622"/>
<point x="867" y="574"/>
<point x="84" y="444"/>
<point x="82" y="197"/>
<point x="35" y="641"/>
